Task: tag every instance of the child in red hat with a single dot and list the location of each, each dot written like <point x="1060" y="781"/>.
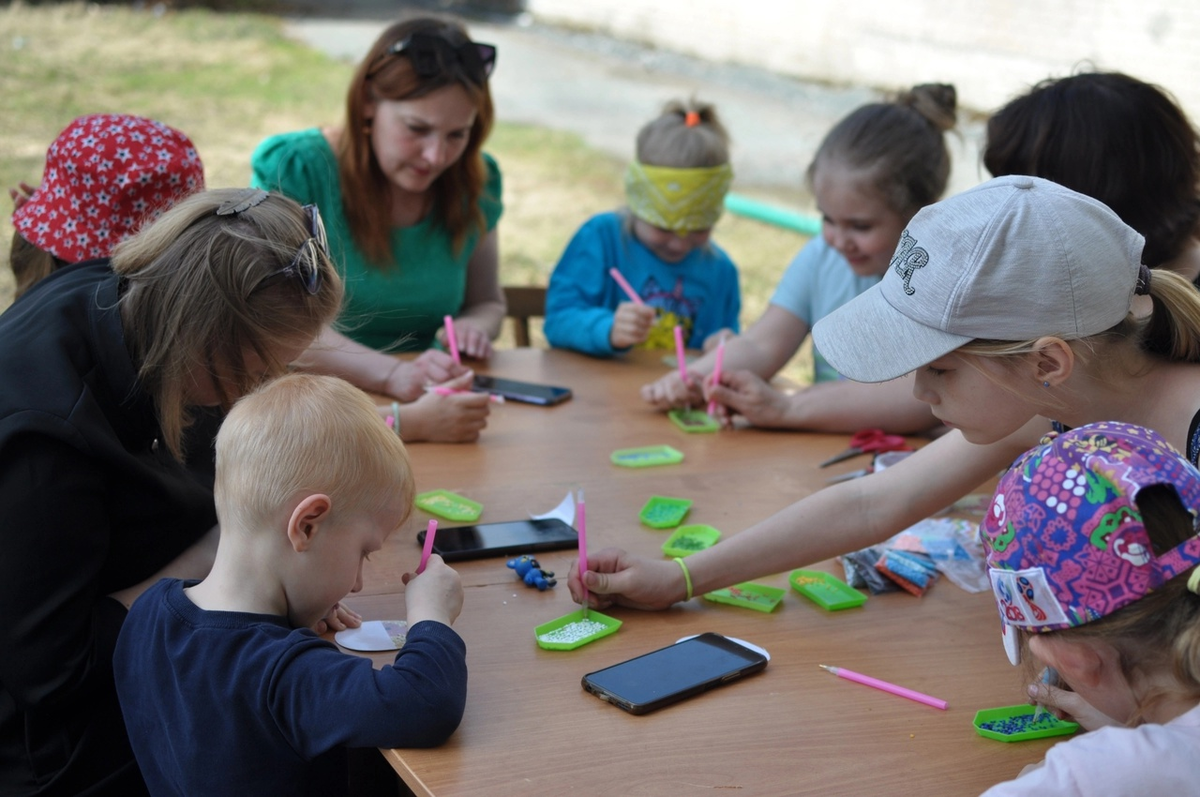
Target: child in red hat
<point x="105" y="175"/>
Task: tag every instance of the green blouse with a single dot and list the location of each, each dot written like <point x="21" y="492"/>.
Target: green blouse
<point x="399" y="307"/>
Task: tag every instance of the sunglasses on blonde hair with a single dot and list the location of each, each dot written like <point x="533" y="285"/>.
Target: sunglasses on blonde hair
<point x="306" y="265"/>
<point x="432" y="55"/>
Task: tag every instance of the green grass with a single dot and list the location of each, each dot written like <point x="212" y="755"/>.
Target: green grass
<point x="230" y="80"/>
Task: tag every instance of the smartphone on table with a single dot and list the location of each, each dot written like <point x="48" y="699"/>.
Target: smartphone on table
<point x="456" y="543"/>
<point x="668" y="675"/>
<point x="528" y="392"/>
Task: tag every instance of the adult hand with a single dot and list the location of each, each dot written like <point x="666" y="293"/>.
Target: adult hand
<point x="339" y="619"/>
<point x="669" y="391"/>
<point x="1065" y="704"/>
<point x="436" y="594"/>
<point x="407" y="381"/>
<point x="472" y="341"/>
<point x="631" y="325"/>
<point x="21" y="195"/>
<point x="455" y="418"/>
<point x="615" y="576"/>
<point x="746" y="394"/>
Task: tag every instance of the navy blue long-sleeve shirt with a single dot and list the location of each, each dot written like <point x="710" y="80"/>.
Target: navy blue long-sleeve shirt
<point x="235" y="703"/>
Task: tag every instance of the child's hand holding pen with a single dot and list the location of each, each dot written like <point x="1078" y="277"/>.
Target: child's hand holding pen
<point x="631" y="325"/>
<point x="436" y="594"/>
<point x="1056" y="697"/>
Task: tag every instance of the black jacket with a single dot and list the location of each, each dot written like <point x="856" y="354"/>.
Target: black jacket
<point x="90" y="503"/>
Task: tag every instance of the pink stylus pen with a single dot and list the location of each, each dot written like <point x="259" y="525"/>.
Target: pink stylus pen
<point x="583" y="563"/>
<point x="625" y="286"/>
<point x="681" y="354"/>
<point x="430" y="532"/>
<point x="442" y="390"/>
<point x="867" y="680"/>
<point x="716" y="374"/>
<point x="448" y="322"/>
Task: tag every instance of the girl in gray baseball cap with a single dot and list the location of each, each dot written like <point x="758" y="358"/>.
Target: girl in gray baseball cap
<point x="1011" y="303"/>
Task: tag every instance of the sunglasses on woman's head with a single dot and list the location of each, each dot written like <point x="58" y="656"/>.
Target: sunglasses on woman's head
<point x="432" y="55"/>
<point x="306" y="265"/>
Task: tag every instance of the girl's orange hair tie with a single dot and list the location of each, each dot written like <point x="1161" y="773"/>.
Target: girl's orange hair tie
<point x="691" y="118"/>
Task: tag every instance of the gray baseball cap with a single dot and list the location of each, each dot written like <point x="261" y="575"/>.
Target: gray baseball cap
<point x="1015" y="258"/>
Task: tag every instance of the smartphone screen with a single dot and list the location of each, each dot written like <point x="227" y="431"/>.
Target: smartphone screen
<point x="456" y="543"/>
<point x="527" y="392"/>
<point x="673" y="673"/>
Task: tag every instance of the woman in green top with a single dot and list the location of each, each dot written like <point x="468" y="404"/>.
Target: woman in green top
<point x="411" y="204"/>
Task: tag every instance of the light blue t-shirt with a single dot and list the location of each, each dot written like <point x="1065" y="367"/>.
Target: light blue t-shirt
<point x="700" y="292"/>
<point x="817" y="282"/>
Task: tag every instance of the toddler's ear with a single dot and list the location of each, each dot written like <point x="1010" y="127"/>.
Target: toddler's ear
<point x="306" y="518"/>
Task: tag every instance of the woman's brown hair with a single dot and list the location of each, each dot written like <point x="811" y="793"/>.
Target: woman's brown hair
<point x="1114" y="138"/>
<point x="365" y="188"/>
<point x="201" y="291"/>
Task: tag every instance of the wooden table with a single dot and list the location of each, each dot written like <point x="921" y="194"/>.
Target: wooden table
<point x="530" y="729"/>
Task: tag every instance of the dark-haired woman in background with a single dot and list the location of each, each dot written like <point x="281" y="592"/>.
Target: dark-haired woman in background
<point x="1117" y="139"/>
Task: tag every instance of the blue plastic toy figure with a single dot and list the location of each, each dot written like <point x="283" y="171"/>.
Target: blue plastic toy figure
<point x="529" y="571"/>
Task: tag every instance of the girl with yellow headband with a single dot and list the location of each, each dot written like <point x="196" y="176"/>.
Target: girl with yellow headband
<point x="872" y="172"/>
<point x="667" y="271"/>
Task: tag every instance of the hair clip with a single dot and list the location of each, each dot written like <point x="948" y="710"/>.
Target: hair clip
<point x="691" y="118"/>
<point x="243" y="201"/>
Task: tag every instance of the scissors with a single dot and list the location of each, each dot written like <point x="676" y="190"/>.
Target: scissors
<point x="869" y="441"/>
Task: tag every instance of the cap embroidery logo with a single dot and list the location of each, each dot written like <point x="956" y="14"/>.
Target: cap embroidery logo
<point x="908" y="258"/>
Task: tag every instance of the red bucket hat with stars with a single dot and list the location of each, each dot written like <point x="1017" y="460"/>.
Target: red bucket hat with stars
<point x="105" y="175"/>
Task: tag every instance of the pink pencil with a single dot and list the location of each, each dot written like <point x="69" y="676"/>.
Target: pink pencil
<point x="716" y="374"/>
<point x="430" y="532"/>
<point x="681" y="355"/>
<point x="583" y="563"/>
<point x="866" y="680"/>
<point x="442" y="390"/>
<point x="625" y="286"/>
<point x="448" y="322"/>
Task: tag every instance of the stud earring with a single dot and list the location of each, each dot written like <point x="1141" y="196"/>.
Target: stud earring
<point x="1046" y="384"/>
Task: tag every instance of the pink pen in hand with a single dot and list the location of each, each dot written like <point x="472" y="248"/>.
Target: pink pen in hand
<point x="681" y="355"/>
<point x="430" y="532"/>
<point x="442" y="390"/>
<point x="625" y="286"/>
<point x="716" y="374"/>
<point x="451" y="340"/>
<point x="583" y="562"/>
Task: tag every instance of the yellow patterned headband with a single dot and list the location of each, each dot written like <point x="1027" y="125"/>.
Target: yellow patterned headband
<point x="680" y="200"/>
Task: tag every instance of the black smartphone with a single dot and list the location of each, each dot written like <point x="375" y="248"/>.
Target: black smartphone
<point x="670" y="674"/>
<point x="456" y="543"/>
<point x="528" y="392"/>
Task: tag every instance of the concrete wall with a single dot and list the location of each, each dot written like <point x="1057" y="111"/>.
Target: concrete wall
<point x="990" y="49"/>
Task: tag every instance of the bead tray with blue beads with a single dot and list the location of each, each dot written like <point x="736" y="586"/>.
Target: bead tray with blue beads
<point x="1016" y="724"/>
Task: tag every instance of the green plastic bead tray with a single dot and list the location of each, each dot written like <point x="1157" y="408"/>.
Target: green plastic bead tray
<point x="748" y="595"/>
<point x="686" y="540"/>
<point x="646" y="457"/>
<point x="826" y="590"/>
<point x="661" y="512"/>
<point x="1047" y="724"/>
<point x="451" y="506"/>
<point x="694" y="421"/>
<point x="611" y="624"/>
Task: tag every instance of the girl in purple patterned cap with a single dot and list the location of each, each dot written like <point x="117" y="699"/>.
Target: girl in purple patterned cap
<point x="1092" y="557"/>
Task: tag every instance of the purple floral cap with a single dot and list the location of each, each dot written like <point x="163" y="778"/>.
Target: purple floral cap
<point x="1065" y="537"/>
